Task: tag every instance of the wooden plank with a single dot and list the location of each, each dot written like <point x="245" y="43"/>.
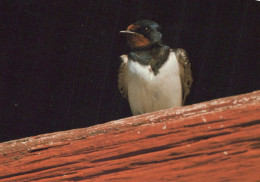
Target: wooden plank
<point x="217" y="140"/>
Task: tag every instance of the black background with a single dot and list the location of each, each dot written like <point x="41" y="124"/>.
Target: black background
<point x="59" y="58"/>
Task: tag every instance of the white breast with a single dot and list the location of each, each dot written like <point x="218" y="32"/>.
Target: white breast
<point x="148" y="92"/>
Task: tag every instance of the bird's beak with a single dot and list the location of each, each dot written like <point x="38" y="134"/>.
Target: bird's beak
<point x="127" y="32"/>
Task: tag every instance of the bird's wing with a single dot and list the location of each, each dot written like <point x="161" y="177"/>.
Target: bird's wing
<point x="122" y="76"/>
<point x="185" y="72"/>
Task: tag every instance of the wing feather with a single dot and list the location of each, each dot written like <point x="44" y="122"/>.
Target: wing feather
<point x="185" y="72"/>
<point x="122" y="76"/>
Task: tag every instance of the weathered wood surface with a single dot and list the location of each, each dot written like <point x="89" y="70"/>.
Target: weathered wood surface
<point x="217" y="140"/>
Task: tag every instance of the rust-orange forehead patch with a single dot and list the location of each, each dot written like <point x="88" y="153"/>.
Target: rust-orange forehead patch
<point x="133" y="27"/>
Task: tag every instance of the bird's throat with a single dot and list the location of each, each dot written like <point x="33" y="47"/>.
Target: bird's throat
<point x="155" y="56"/>
<point x="137" y="41"/>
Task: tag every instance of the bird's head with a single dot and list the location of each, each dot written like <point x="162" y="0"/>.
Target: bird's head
<point x="143" y="33"/>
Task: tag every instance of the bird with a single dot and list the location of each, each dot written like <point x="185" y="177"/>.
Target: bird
<point x="152" y="76"/>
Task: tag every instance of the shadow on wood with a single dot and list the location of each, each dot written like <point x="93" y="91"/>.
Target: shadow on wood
<point x="217" y="140"/>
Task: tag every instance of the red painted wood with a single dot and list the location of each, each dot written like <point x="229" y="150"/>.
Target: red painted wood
<point x="217" y="140"/>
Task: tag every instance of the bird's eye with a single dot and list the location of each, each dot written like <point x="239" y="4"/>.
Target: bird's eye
<point x="147" y="29"/>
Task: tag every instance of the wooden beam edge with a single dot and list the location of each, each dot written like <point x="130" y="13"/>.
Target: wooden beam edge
<point x="60" y="138"/>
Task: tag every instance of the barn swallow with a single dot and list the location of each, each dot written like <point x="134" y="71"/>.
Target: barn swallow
<point x="152" y="76"/>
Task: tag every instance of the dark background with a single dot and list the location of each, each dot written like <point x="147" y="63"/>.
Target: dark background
<point x="59" y="58"/>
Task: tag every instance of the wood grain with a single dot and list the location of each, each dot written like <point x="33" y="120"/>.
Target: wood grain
<point x="218" y="140"/>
